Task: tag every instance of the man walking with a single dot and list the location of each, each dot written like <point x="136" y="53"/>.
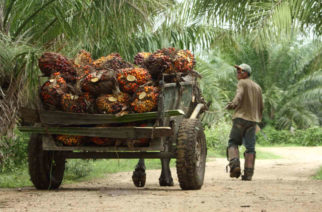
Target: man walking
<point x="248" y="106"/>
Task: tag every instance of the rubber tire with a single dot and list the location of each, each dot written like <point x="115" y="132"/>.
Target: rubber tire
<point x="46" y="168"/>
<point x="191" y="142"/>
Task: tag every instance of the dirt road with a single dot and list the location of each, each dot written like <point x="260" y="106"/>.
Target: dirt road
<point x="278" y="185"/>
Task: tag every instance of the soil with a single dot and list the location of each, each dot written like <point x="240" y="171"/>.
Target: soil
<point x="284" y="184"/>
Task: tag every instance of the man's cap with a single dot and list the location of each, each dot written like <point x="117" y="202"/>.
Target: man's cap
<point x="244" y="67"/>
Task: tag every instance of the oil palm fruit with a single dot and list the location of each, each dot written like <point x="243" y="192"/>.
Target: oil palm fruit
<point x="102" y="141"/>
<point x="146" y="99"/>
<point x="112" y="103"/>
<point x="184" y="61"/>
<point x="160" y="62"/>
<point x="83" y="71"/>
<point x="51" y="62"/>
<point x="112" y="61"/>
<point x="99" y="82"/>
<point x="52" y="90"/>
<point x="83" y="58"/>
<point x="141" y="58"/>
<point x="130" y="79"/>
<point x="77" y="104"/>
<point x="70" y="140"/>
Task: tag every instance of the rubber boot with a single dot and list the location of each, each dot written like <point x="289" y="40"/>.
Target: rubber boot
<point x="249" y="166"/>
<point x="234" y="163"/>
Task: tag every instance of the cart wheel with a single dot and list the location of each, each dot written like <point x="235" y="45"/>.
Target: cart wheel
<point x="191" y="154"/>
<point x="46" y="168"/>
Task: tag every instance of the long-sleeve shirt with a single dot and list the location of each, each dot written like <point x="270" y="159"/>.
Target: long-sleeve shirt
<point x="248" y="101"/>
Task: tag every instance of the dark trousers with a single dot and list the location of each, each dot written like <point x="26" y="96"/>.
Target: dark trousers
<point x="243" y="132"/>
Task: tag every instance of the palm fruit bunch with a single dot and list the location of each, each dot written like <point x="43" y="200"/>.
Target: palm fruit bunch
<point x="112" y="61"/>
<point x="83" y="58"/>
<point x="102" y="141"/>
<point x="160" y="62"/>
<point x="83" y="63"/>
<point x="130" y="79"/>
<point x="70" y="140"/>
<point x="146" y="99"/>
<point x="83" y="71"/>
<point x="51" y="62"/>
<point x="184" y="61"/>
<point x="141" y="58"/>
<point x="99" y="82"/>
<point x="52" y="90"/>
<point x="77" y="104"/>
<point x="112" y="103"/>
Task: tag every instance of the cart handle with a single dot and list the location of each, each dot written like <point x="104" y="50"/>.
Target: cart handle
<point x="196" y="111"/>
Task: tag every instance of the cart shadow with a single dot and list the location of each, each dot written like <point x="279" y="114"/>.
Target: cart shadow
<point x="105" y="189"/>
<point x="120" y="189"/>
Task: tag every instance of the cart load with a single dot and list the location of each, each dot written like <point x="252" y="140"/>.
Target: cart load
<point x="108" y="85"/>
<point x="110" y="108"/>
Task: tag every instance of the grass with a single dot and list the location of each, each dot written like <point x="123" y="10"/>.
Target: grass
<point x="260" y="154"/>
<point x="16" y="179"/>
<point x="318" y="175"/>
<point x="99" y="168"/>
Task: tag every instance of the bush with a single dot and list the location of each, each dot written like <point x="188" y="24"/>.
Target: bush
<point x="78" y="168"/>
<point x="13" y="151"/>
<point x="307" y="137"/>
<point x="217" y="136"/>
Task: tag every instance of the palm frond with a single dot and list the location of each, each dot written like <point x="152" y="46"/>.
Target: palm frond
<point x="17" y="78"/>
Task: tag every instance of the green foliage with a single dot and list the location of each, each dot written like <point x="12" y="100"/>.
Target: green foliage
<point x="217" y="137"/>
<point x="77" y="168"/>
<point x="13" y="152"/>
<point x="19" y="178"/>
<point x="265" y="19"/>
<point x="307" y="137"/>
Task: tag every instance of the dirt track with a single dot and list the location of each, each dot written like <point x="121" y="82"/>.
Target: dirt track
<point x="278" y="185"/>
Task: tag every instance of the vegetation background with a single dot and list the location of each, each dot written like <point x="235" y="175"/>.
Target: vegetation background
<point x="279" y="39"/>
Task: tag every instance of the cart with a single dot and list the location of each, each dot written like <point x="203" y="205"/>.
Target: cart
<point x="175" y="131"/>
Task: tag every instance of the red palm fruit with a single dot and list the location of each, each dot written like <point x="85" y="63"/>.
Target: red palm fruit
<point x="83" y="58"/>
<point x="184" y="61"/>
<point x="99" y="82"/>
<point x="112" y="61"/>
<point x="52" y="90"/>
<point x="51" y="62"/>
<point x="70" y="140"/>
<point x="141" y="58"/>
<point x="130" y="79"/>
<point x="112" y="103"/>
<point x="77" y="104"/>
<point x="146" y="99"/>
<point x="102" y="141"/>
<point x="83" y="71"/>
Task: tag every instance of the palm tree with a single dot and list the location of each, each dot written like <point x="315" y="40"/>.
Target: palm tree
<point x="264" y="18"/>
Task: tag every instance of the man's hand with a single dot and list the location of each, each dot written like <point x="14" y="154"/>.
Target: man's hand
<point x="230" y="106"/>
